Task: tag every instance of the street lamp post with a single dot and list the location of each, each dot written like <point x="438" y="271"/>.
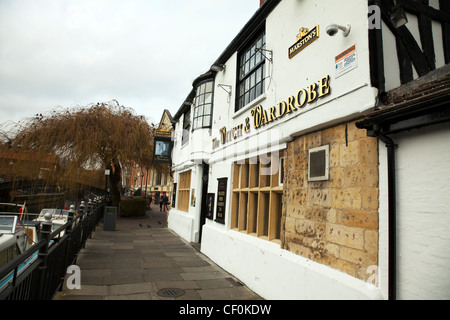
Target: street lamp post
<point x="107" y="173"/>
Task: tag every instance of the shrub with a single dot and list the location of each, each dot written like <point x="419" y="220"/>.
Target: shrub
<point x="133" y="208"/>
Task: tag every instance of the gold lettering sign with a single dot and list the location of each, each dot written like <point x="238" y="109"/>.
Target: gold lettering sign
<point x="314" y="91"/>
<point x="304" y="39"/>
<point x="261" y="117"/>
<point x="163" y="133"/>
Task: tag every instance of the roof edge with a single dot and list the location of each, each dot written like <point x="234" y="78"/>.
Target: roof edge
<point x="249" y="28"/>
<point x="258" y="17"/>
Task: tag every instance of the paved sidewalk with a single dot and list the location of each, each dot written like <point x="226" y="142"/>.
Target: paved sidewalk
<point x="141" y="258"/>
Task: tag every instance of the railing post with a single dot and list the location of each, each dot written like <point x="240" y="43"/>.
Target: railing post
<point x="70" y="219"/>
<point x="97" y="212"/>
<point x="90" y="211"/>
<point x="43" y="254"/>
<point x="68" y="253"/>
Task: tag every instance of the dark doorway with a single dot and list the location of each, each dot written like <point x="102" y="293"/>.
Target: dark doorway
<point x="157" y="197"/>
<point x="204" y="208"/>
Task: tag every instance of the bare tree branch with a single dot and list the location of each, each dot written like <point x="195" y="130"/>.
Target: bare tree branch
<point x="98" y="135"/>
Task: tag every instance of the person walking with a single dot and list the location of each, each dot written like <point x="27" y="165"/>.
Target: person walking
<point x="166" y="202"/>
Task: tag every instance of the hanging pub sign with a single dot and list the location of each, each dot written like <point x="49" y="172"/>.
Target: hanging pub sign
<point x="221" y="200"/>
<point x="304" y="39"/>
<point x="162" y="149"/>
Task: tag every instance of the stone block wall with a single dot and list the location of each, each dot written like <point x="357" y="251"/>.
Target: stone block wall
<point x="334" y="222"/>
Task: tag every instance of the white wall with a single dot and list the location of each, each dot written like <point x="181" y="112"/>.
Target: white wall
<point x="351" y="94"/>
<point x="423" y="221"/>
<point x="423" y="214"/>
<point x="277" y="274"/>
<point x="180" y="153"/>
<point x="187" y="224"/>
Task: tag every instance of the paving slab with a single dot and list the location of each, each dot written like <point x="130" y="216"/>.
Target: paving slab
<point x="142" y="257"/>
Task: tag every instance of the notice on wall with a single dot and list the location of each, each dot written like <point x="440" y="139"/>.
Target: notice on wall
<point x="210" y="205"/>
<point x="221" y="200"/>
<point x="193" y="198"/>
<point x="346" y="61"/>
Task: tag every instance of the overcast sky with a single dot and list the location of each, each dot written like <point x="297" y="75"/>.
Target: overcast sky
<point x="143" y="53"/>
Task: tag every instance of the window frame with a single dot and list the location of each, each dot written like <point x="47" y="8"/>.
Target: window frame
<point x="158" y="178"/>
<point x="247" y="81"/>
<point x="186" y="127"/>
<point x="197" y="105"/>
<point x="257" y="197"/>
<point x="281" y="166"/>
<point x="184" y="190"/>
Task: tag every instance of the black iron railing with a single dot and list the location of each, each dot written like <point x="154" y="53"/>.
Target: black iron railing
<point x="39" y="272"/>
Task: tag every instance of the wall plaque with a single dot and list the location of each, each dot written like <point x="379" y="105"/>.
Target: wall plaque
<point x="346" y="61"/>
<point x="221" y="200"/>
<point x="304" y="39"/>
<point x="210" y="206"/>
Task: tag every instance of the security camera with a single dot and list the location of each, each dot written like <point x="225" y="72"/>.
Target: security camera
<point x="334" y="28"/>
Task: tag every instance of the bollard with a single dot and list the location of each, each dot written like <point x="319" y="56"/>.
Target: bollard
<point x="94" y="205"/>
<point x="43" y="253"/>
<point x="89" y="207"/>
<point x="70" y="217"/>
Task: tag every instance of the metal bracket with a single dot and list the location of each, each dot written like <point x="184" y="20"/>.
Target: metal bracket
<point x="227" y="89"/>
<point x="265" y="50"/>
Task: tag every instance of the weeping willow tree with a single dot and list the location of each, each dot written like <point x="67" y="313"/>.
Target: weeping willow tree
<point x="100" y="136"/>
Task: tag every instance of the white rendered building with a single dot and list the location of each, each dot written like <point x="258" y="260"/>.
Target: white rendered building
<point x="275" y="173"/>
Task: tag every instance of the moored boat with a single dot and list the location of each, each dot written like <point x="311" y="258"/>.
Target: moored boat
<point x="14" y="240"/>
